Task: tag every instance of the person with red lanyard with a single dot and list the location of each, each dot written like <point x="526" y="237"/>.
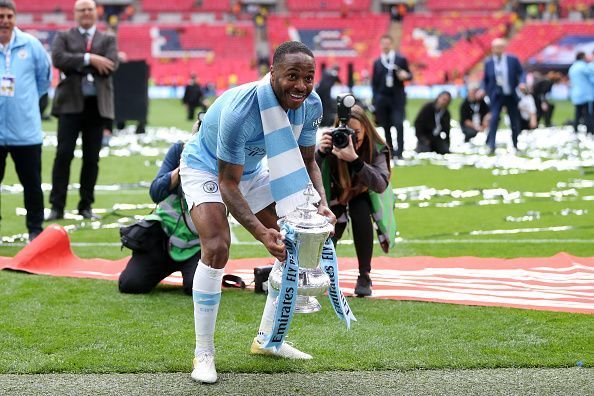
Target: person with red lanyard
<point x="87" y="59"/>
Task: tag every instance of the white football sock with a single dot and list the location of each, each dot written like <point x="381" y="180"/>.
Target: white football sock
<point x="268" y="315"/>
<point x="206" y="293"/>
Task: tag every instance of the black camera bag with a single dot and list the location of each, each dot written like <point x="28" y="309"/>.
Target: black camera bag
<point x="142" y="236"/>
<point x="261" y="275"/>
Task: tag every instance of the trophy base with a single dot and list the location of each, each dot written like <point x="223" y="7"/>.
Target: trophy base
<point x="307" y="304"/>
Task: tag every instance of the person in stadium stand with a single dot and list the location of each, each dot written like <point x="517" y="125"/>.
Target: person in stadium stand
<point x="390" y="71"/>
<point x="581" y="76"/>
<point x="87" y="59"/>
<point x="221" y="171"/>
<point x="25" y="75"/>
<point x="474" y="113"/>
<point x="503" y="75"/>
<point x="432" y="125"/>
<point x="361" y="166"/>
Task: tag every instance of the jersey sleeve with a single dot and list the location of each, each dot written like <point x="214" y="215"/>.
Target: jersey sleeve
<point x="233" y="132"/>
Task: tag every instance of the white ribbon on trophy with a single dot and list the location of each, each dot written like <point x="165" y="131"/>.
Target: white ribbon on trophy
<point x="309" y="270"/>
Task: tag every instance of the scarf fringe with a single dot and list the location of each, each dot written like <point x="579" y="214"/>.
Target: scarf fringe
<point x="290" y="203"/>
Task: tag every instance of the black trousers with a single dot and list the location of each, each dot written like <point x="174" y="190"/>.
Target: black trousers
<point x="90" y="124"/>
<point x="435" y="144"/>
<point x="145" y="270"/>
<point x="27" y="163"/>
<point x="359" y="209"/>
<point x="584" y="113"/>
<point x="511" y="104"/>
<point x="469" y="132"/>
<point x="192" y="116"/>
<point x="389" y="112"/>
<point x="545" y="115"/>
<point x="524" y="125"/>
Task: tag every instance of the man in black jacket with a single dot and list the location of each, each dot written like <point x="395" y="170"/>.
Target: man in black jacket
<point x="193" y="97"/>
<point x="474" y="113"/>
<point x="390" y="71"/>
<point x="432" y="125"/>
<point x="324" y="90"/>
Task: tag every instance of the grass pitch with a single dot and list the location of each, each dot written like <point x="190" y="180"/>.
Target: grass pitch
<point x="60" y="325"/>
<point x="85" y="326"/>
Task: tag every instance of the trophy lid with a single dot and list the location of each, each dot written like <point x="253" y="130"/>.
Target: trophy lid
<point x="306" y="215"/>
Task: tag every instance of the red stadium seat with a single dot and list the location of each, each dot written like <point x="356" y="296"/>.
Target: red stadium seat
<point x="442" y="43"/>
<point x="46" y="6"/>
<point x="186" y="5"/>
<point x="469" y="37"/>
<point x="328" y="5"/>
<point x="231" y="52"/>
<point x="465" y="5"/>
<point x="535" y="36"/>
<point x="360" y="34"/>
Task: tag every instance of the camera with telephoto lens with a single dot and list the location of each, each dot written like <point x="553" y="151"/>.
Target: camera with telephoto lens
<point x="340" y="134"/>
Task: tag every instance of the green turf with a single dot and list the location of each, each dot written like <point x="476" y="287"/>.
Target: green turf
<point x="171" y="113"/>
<point x="430" y="223"/>
<point x="162" y="112"/>
<point x="77" y="325"/>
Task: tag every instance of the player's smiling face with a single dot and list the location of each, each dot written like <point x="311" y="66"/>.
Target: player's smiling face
<point x="292" y="79"/>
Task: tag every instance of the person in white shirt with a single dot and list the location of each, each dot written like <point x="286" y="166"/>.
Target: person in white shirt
<point x="527" y="107"/>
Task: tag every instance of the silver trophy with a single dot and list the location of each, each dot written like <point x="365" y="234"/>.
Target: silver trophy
<point x="311" y="231"/>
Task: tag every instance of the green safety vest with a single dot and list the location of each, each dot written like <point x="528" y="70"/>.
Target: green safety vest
<point x="182" y="242"/>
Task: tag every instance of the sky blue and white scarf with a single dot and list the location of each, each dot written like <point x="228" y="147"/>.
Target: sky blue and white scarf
<point x="288" y="175"/>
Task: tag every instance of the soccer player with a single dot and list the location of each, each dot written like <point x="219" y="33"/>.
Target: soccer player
<point x="222" y="171"/>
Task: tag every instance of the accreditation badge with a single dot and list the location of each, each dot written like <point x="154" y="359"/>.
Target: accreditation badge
<point x="389" y="79"/>
<point x="476" y="119"/>
<point x="499" y="80"/>
<point x="7" y="83"/>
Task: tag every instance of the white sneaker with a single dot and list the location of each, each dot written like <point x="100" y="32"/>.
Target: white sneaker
<point x="286" y="351"/>
<point x="203" y="368"/>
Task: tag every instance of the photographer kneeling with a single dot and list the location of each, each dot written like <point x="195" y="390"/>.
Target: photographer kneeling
<point x="171" y="241"/>
<point x="354" y="162"/>
<point x="432" y="125"/>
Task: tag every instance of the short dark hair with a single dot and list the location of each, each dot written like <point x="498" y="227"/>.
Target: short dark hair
<point x="8" y="4"/>
<point x="444" y="92"/>
<point x="290" y="47"/>
<point x="580" y="55"/>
